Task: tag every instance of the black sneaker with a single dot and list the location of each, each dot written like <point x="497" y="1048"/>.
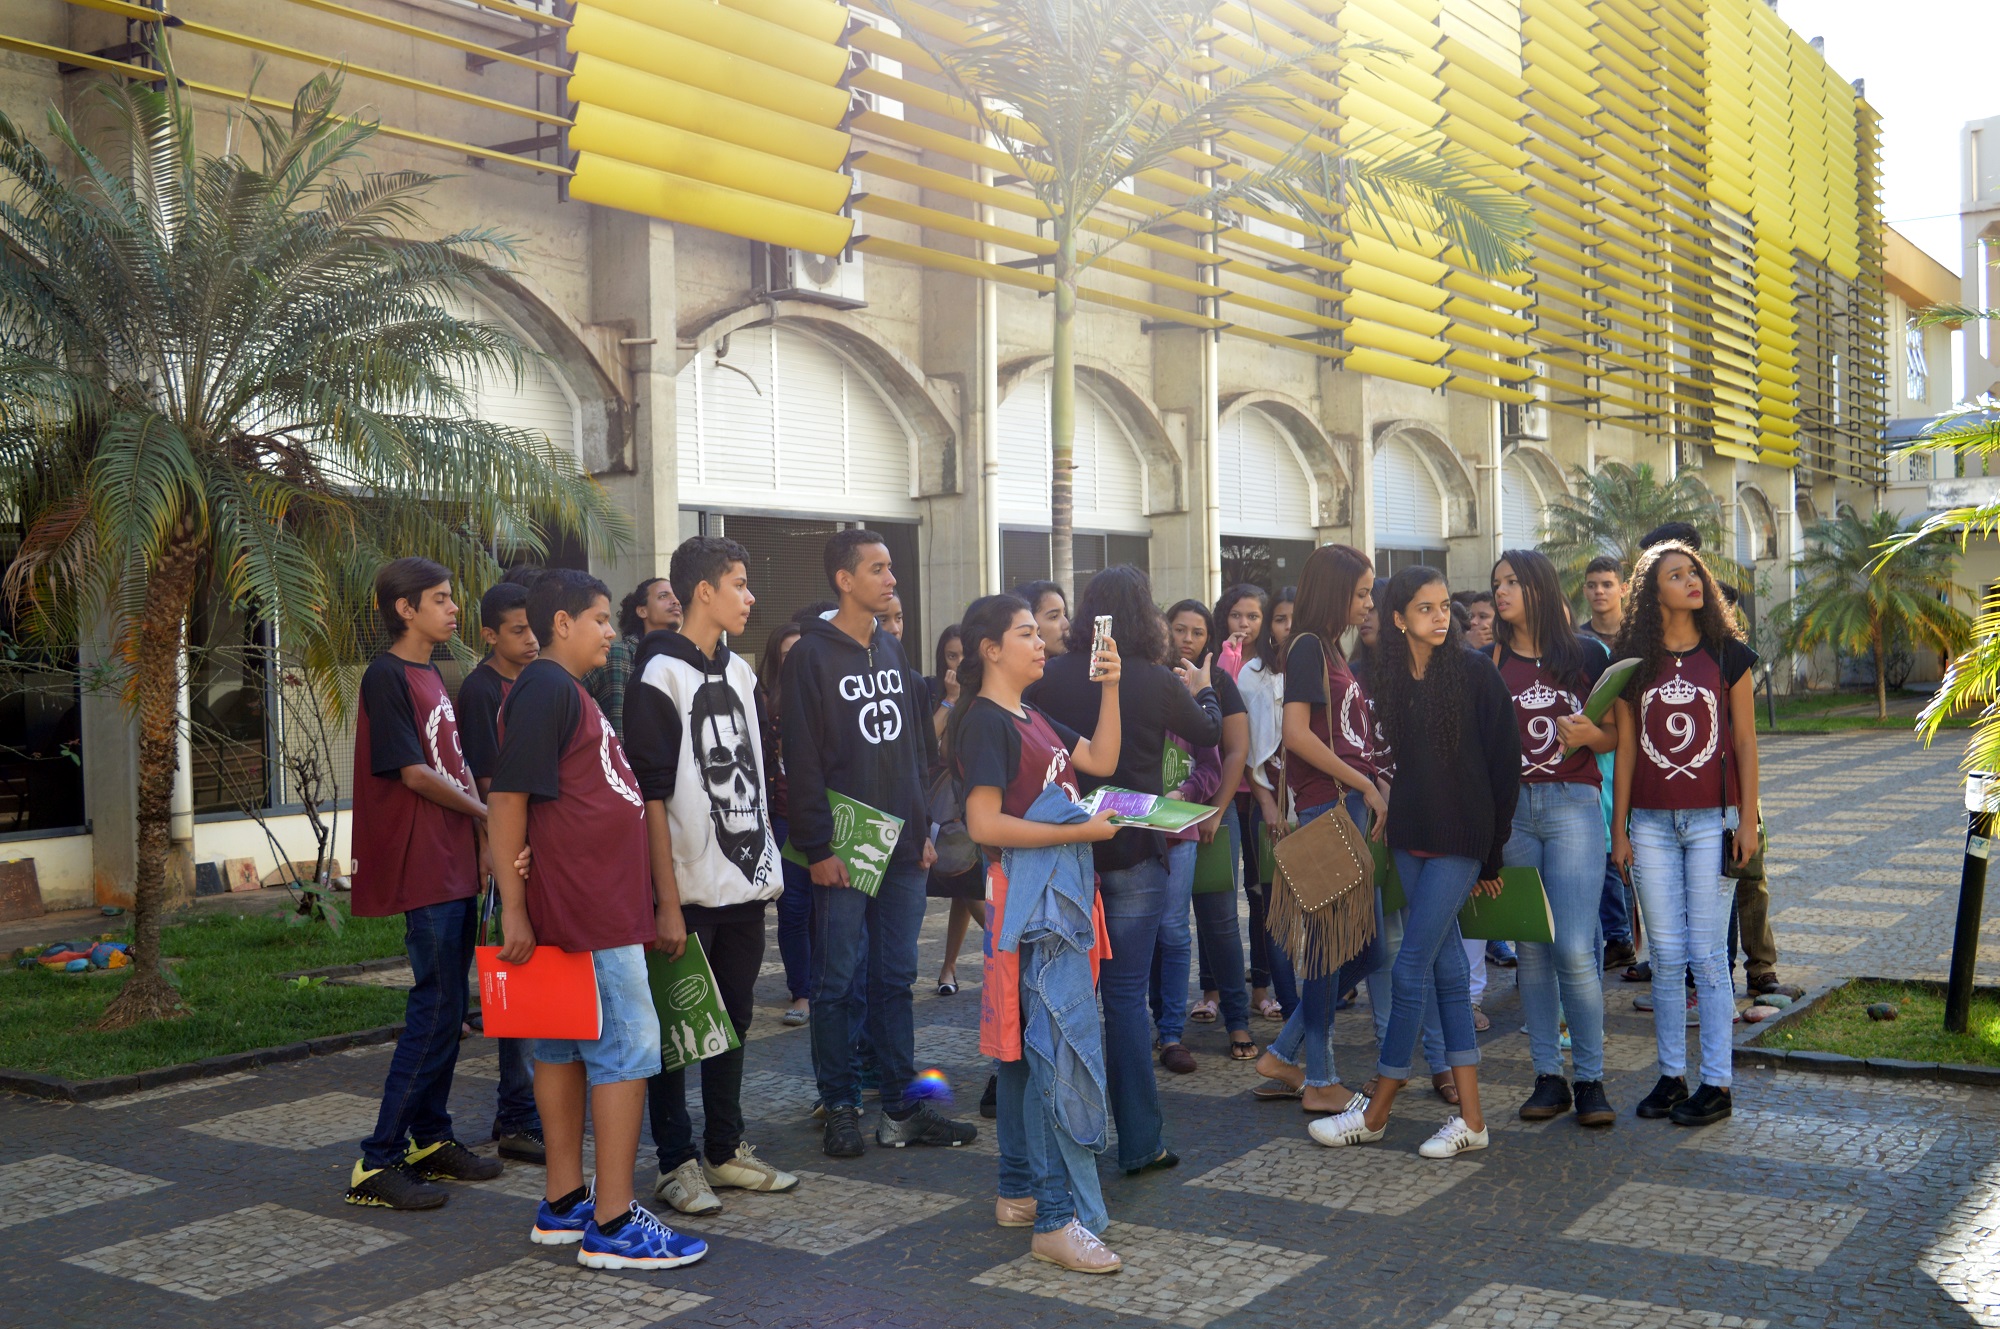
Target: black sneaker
<point x="1550" y="1099"/>
<point x="522" y="1145"/>
<point x="1592" y="1107"/>
<point x="924" y="1126"/>
<point x="989" y="1102"/>
<point x="1667" y="1095"/>
<point x="1705" y="1107"/>
<point x="395" y="1187"/>
<point x="842" y="1134"/>
<point x="448" y="1160"/>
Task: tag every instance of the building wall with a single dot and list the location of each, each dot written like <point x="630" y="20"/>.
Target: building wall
<point x="623" y="303"/>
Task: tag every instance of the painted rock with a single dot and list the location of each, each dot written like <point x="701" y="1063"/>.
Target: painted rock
<point x="77" y="966"/>
<point x="1778" y="999"/>
<point x="1882" y="1010"/>
<point x="1759" y="1014"/>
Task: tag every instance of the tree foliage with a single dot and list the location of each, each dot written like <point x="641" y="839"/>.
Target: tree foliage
<point x="1616" y="506"/>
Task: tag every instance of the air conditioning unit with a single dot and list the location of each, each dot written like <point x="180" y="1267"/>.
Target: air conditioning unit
<point x="1527" y="422"/>
<point x="792" y="274"/>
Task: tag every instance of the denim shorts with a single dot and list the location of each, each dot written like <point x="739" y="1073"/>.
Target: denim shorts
<point x="629" y="1046"/>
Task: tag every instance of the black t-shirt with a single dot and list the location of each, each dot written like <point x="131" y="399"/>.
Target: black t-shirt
<point x="479" y="700"/>
<point x="1228" y="693"/>
<point x="542" y="712"/>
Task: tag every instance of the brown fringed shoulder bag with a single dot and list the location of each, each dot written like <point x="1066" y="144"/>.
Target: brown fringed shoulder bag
<point x="1322" y="907"/>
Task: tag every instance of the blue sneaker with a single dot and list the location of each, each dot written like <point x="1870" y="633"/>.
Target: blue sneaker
<point x="554" y="1229"/>
<point x="643" y="1243"/>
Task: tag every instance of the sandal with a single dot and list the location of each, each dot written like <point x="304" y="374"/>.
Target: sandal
<point x="1480" y="1021"/>
<point x="1276" y="1091"/>
<point x="1204" y="1012"/>
<point x="1374" y="1083"/>
<point x="1641" y="972"/>
<point x="1445" y="1087"/>
<point x="1242" y="1049"/>
<point x="1269" y="1009"/>
<point x="947" y="988"/>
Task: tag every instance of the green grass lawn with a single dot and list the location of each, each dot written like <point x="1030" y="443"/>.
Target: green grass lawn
<point x="1839" y="1023"/>
<point x="1807" y="714"/>
<point x="226" y="965"/>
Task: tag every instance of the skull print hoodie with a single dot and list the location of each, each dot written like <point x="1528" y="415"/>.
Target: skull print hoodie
<point x="691" y="734"/>
<point x="856" y="719"/>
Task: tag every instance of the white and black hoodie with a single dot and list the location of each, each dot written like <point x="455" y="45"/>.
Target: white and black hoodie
<point x="691" y="734"/>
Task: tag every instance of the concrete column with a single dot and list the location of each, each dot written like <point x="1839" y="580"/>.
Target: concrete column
<point x="633" y="285"/>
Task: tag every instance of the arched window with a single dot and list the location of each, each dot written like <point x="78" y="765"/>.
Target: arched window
<point x="1523" y="505"/>
<point x="1409" y="511"/>
<point x="1108" y="485"/>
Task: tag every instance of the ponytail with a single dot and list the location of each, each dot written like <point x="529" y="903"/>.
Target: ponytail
<point x="989" y="618"/>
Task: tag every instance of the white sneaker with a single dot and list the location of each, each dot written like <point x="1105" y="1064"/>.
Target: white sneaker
<point x="1453" y="1138"/>
<point x="687" y="1190"/>
<point x="1345" y="1127"/>
<point x="747" y="1172"/>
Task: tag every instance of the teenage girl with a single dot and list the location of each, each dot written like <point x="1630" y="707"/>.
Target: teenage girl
<point x="1558" y="828"/>
<point x="1450" y="722"/>
<point x="1686" y="780"/>
<point x="1006" y="753"/>
<point x="1262" y="683"/>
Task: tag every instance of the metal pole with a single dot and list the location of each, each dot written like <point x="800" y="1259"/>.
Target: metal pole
<point x="1971" y="904"/>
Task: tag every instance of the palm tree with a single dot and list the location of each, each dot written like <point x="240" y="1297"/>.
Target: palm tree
<point x="245" y="376"/>
<point x="1087" y="95"/>
<point x="1617" y="506"/>
<point x="1853" y="599"/>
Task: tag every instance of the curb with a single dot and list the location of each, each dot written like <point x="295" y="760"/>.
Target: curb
<point x="1749" y="1050"/>
<point x="90" y="1091"/>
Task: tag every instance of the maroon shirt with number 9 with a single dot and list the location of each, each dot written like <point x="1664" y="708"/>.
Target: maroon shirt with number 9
<point x="590" y="883"/>
<point x="408" y="851"/>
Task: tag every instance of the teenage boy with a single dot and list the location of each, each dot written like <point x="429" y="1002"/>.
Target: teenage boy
<point x="852" y="724"/>
<point x="564" y="789"/>
<point x="648" y="607"/>
<point x="1604" y="593"/>
<point x="416" y="853"/>
<point x="1478" y="618"/>
<point x="510" y="648"/>
<point x="691" y="730"/>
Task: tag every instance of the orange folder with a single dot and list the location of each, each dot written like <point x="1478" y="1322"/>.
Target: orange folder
<point x="553" y="994"/>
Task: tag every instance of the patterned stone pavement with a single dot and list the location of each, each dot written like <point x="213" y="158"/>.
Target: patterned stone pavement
<point x="1824" y="1202"/>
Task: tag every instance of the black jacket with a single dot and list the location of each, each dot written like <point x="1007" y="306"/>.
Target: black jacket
<point x="1465" y="807"/>
<point x="1151" y="701"/>
<point x="854" y="720"/>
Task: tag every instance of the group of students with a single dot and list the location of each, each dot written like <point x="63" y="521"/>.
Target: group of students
<point x="612" y="836"/>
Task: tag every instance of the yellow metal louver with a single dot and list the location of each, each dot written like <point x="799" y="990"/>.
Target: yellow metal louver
<point x="727" y="115"/>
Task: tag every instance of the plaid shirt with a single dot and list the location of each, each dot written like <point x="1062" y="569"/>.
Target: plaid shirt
<point x="606" y="683"/>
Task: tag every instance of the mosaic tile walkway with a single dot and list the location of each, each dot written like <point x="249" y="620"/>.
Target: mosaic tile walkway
<point x="1824" y="1202"/>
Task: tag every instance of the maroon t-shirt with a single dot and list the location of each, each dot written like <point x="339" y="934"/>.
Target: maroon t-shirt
<point x="1540" y="699"/>
<point x="1343" y="721"/>
<point x="1020" y="755"/>
<point x="590" y="884"/>
<point x="408" y="852"/>
<point x="1684" y="731"/>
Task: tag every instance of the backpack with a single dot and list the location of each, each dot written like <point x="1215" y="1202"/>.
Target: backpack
<point x="945" y="804"/>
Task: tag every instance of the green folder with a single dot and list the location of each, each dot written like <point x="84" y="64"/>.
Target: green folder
<point x="1215" y="866"/>
<point x="693" y="1024"/>
<point x="1129" y="807"/>
<point x="863" y="838"/>
<point x="1598" y="704"/>
<point x="1387" y="879"/>
<point x="1519" y="913"/>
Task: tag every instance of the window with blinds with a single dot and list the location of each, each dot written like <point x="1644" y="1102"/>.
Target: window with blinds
<point x="1521" y="507"/>
<point x="1409" y="510"/>
<point x="1109" y="482"/>
<point x="1266" y="491"/>
<point x="1024" y="555"/>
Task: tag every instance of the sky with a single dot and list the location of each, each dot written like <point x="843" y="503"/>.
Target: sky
<point x="1929" y="66"/>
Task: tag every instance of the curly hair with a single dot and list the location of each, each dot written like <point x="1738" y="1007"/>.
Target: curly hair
<point x="1416" y="710"/>
<point x="1126" y="594"/>
<point x="1645" y="626"/>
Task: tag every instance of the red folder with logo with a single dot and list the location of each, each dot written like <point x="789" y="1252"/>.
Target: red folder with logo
<point x="553" y="994"/>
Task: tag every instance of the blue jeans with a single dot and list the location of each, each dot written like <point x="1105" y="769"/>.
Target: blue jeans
<point x="1038" y="1160"/>
<point x="516" y="1108"/>
<point x="1433" y="958"/>
<point x="1310" y="1025"/>
<point x="438" y="939"/>
<point x="795" y="910"/>
<point x="1382" y="988"/>
<point x="627" y="1048"/>
<point x="1614" y="911"/>
<point x="1559" y="829"/>
<point x="850" y="931"/>
<point x="1134" y="899"/>
<point x="1220" y="943"/>
<point x="1685" y="901"/>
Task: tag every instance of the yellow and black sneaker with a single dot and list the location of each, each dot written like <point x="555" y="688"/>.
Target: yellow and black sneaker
<point x="448" y="1160"/>
<point x="394" y="1187"/>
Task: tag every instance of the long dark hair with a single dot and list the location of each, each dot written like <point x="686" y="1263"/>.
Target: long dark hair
<point x="1417" y="711"/>
<point x="1180" y="607"/>
<point x="1645" y="625"/>
<point x="1264" y="646"/>
<point x="945" y="638"/>
<point x="768" y="689"/>
<point x="1241" y="591"/>
<point x="628" y="608"/>
<point x="989" y="618"/>
<point x="1326" y="595"/>
<point x="1546" y="612"/>
<point x="1362" y="660"/>
<point x="1125" y="593"/>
